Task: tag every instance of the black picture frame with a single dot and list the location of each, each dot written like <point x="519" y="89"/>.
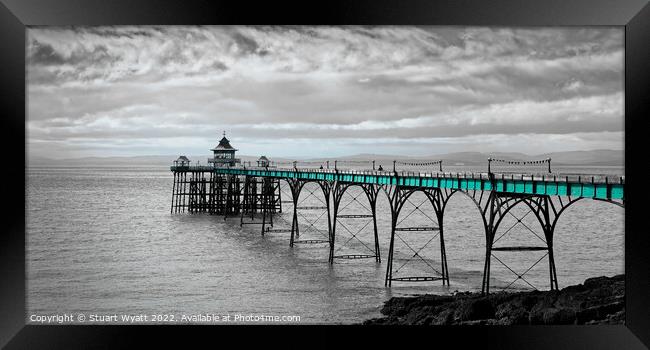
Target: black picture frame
<point x="634" y="15"/>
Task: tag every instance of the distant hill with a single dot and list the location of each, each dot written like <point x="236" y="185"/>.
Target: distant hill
<point x="597" y="157"/>
<point x="589" y="158"/>
<point x="160" y="160"/>
<point x="593" y="158"/>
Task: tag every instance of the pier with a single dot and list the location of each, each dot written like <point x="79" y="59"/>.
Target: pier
<point x="229" y="188"/>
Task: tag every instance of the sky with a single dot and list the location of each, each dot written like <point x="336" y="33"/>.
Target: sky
<point x="323" y="91"/>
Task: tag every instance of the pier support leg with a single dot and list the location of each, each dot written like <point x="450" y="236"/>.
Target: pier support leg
<point x="247" y="200"/>
<point x="171" y="210"/>
<point x="267" y="203"/>
<point x="184" y="191"/>
<point x="296" y="187"/>
<point x="395" y="194"/>
<point x="443" y="254"/>
<point x="279" y="199"/>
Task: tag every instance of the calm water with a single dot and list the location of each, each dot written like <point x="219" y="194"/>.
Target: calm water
<point x="102" y="240"/>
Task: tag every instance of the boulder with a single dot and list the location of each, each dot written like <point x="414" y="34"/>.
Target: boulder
<point x="475" y="309"/>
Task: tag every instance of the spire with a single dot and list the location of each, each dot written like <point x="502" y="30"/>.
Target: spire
<point x="224" y="144"/>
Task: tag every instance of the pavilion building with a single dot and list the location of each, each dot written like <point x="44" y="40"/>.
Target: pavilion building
<point x="224" y="154"/>
<point x="263" y="162"/>
<point x="182" y="161"/>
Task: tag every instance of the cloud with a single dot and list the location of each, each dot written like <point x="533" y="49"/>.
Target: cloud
<point x="138" y="86"/>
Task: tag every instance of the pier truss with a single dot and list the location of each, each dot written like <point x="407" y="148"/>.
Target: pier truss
<point x="353" y="219"/>
<point x="325" y="204"/>
<point x="278" y="223"/>
<point x="260" y="196"/>
<point x="403" y="202"/>
<point x="200" y="191"/>
<point x="497" y="205"/>
<point x="312" y="210"/>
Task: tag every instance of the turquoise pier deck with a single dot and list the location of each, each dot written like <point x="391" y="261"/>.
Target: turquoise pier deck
<point x="605" y="188"/>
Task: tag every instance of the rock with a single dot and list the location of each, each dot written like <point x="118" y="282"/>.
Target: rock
<point x="397" y="306"/>
<point x="586" y="315"/>
<point x="559" y="316"/>
<point x="444" y="317"/>
<point x="474" y="322"/>
<point x="616" y="318"/>
<point x="573" y="289"/>
<point x="476" y="309"/>
<point x="599" y="300"/>
<point x="418" y="314"/>
<point x="600" y="312"/>
<point x="529" y="300"/>
<point x="595" y="282"/>
<point x="400" y="306"/>
<point x="512" y="312"/>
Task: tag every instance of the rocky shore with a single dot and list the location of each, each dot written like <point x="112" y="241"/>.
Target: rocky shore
<point x="599" y="300"/>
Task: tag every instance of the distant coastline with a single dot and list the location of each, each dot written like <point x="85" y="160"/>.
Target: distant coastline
<point x="593" y="158"/>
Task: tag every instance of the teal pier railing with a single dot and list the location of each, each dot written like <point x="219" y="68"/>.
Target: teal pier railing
<point x="578" y="186"/>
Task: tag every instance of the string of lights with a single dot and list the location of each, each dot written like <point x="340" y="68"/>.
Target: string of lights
<point x="354" y="161"/>
<point x="519" y="162"/>
<point x="429" y="163"/>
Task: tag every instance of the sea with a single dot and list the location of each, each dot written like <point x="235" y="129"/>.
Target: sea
<point x="102" y="247"/>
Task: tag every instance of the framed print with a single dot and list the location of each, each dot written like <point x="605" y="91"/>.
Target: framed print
<point x="460" y="171"/>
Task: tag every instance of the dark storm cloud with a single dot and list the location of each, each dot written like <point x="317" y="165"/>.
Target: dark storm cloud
<point x="245" y="44"/>
<point x="44" y="54"/>
<point x="117" y="86"/>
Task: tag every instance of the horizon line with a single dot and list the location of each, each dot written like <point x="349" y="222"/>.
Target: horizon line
<point x="27" y="155"/>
